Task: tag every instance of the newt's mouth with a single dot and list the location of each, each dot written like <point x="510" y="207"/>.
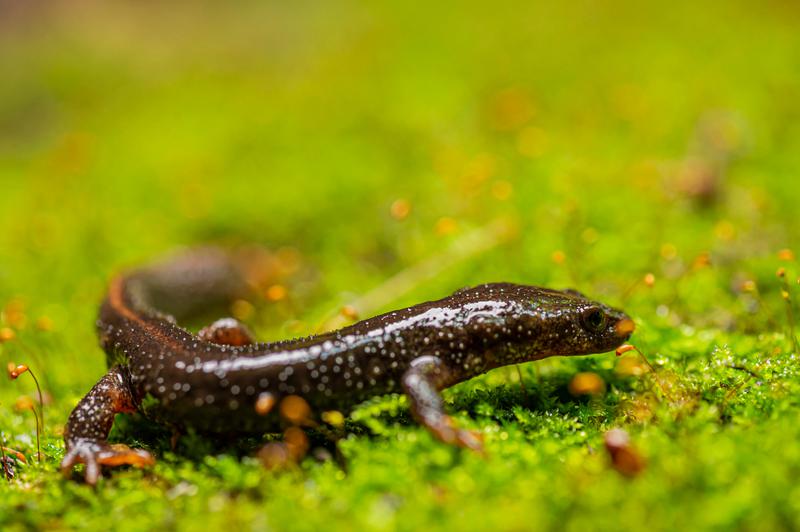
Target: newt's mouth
<point x="624" y="328"/>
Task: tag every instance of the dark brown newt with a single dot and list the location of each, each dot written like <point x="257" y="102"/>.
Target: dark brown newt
<point x="220" y="381"/>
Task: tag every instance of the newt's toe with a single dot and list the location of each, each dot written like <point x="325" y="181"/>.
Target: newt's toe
<point x="119" y="455"/>
<point x="447" y="431"/>
<point x="470" y="439"/>
<point x="94" y="455"/>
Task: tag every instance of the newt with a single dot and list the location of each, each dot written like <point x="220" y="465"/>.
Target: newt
<point x="220" y="381"/>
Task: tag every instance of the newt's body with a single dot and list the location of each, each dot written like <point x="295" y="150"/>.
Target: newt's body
<point x="220" y="381"/>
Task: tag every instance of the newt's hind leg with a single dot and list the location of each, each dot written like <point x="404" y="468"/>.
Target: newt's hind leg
<point x="88" y="426"/>
<point x="227" y="331"/>
<point x="422" y="383"/>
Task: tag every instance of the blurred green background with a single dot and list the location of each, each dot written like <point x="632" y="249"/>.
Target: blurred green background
<point x="581" y="144"/>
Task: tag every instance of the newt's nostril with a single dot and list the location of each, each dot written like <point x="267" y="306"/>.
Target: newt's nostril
<point x="625" y="327"/>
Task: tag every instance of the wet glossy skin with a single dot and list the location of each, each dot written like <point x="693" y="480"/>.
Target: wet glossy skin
<point x="186" y="380"/>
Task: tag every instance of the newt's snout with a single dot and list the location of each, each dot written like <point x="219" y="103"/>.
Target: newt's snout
<point x="625" y="327"/>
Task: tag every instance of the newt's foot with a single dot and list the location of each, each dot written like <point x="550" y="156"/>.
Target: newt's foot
<point x="447" y="431"/>
<point x="227" y="331"/>
<point x="95" y="454"/>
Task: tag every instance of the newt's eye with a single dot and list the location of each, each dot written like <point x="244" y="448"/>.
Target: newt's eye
<point x="594" y="320"/>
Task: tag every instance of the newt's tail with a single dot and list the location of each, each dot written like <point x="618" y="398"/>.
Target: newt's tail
<point x="190" y="283"/>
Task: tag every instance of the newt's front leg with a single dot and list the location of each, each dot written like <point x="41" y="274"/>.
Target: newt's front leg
<point x="86" y="433"/>
<point x="422" y="383"/>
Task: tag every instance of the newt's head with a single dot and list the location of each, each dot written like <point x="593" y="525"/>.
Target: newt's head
<point x="592" y="327"/>
<point x="569" y="323"/>
<point x="532" y="323"/>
